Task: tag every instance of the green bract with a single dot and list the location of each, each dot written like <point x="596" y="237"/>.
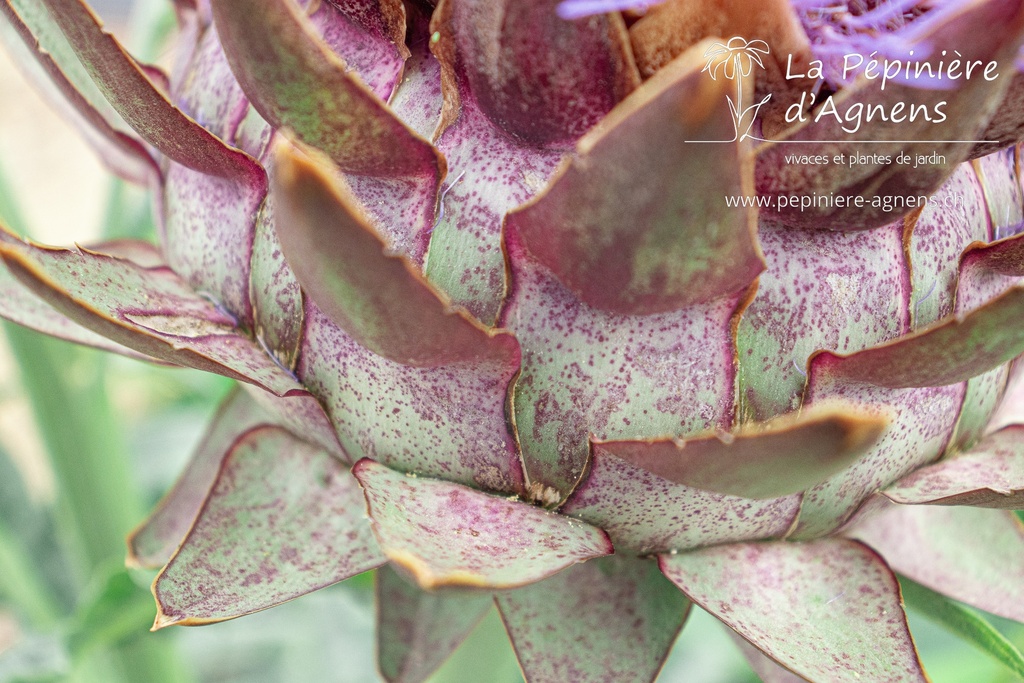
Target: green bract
<point x="502" y="323"/>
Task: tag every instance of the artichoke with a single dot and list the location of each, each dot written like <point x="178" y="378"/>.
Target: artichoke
<point x="592" y="310"/>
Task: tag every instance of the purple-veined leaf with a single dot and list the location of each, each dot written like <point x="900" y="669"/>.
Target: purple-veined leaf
<point x="989" y="475"/>
<point x="277" y="299"/>
<point x="981" y="400"/>
<point x="988" y="271"/>
<point x="936" y="236"/>
<point x="646" y="514"/>
<point x="402" y="208"/>
<point x="1001" y="184"/>
<point x="210" y="226"/>
<point x="828" y="610"/>
<point x="635" y="222"/>
<point x="153" y="543"/>
<point x="222" y="235"/>
<point x="1005" y="257"/>
<point x="139" y="252"/>
<point x="920" y="427"/>
<point x="142" y="105"/>
<point x="394" y="326"/>
<point x="766" y="668"/>
<point x="770" y="460"/>
<point x="520" y="86"/>
<point x="539" y="78"/>
<point x="212" y="191"/>
<point x="21" y="305"/>
<point x="949" y="351"/>
<point x="591" y="372"/>
<point x="149" y="310"/>
<point x="378" y="298"/>
<point x="417" y="99"/>
<point x="445" y="534"/>
<point x="301" y="413"/>
<point x="609" y="620"/>
<point x="822" y="290"/>
<point x="970" y="554"/>
<point x="490" y="174"/>
<point x="282" y="519"/>
<point x="418" y="630"/>
<point x="977" y="336"/>
<point x="370" y="36"/>
<point x="205" y="89"/>
<point x="447" y="421"/>
<point x="296" y="81"/>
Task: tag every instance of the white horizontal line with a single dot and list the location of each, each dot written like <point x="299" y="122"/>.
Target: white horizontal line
<point x="852" y="142"/>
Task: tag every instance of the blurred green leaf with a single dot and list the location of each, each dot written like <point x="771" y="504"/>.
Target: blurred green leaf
<point x="115" y="610"/>
<point x="362" y="582"/>
<point x="963" y="622"/>
<point x="78" y="428"/>
<point x="10" y="214"/>
<point x="152" y="30"/>
<point x="20" y="585"/>
<point x="129" y="212"/>
<point x="325" y="636"/>
<point x="706" y="651"/>
<point x="31" y="559"/>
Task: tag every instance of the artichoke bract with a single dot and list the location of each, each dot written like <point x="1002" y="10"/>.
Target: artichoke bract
<point x="593" y="310"/>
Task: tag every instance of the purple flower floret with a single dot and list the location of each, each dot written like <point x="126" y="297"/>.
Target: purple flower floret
<point x="577" y="9"/>
<point x="874" y="30"/>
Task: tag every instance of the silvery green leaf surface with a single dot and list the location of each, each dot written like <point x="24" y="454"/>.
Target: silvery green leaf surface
<point x="607" y="620"/>
<point x="989" y="475"/>
<point x="272" y="488"/>
<point x="436" y="532"/>
<point x="969" y="554"/>
<point x="500" y="153"/>
<point x="418" y="630"/>
<point x="787" y="599"/>
<point x="634" y="222"/>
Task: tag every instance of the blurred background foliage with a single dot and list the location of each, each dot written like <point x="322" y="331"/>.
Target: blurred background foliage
<point x="89" y="442"/>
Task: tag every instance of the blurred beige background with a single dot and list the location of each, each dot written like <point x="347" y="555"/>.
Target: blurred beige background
<point x="59" y="183"/>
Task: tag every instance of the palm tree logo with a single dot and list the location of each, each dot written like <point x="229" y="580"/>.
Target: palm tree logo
<point x="735" y="60"/>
